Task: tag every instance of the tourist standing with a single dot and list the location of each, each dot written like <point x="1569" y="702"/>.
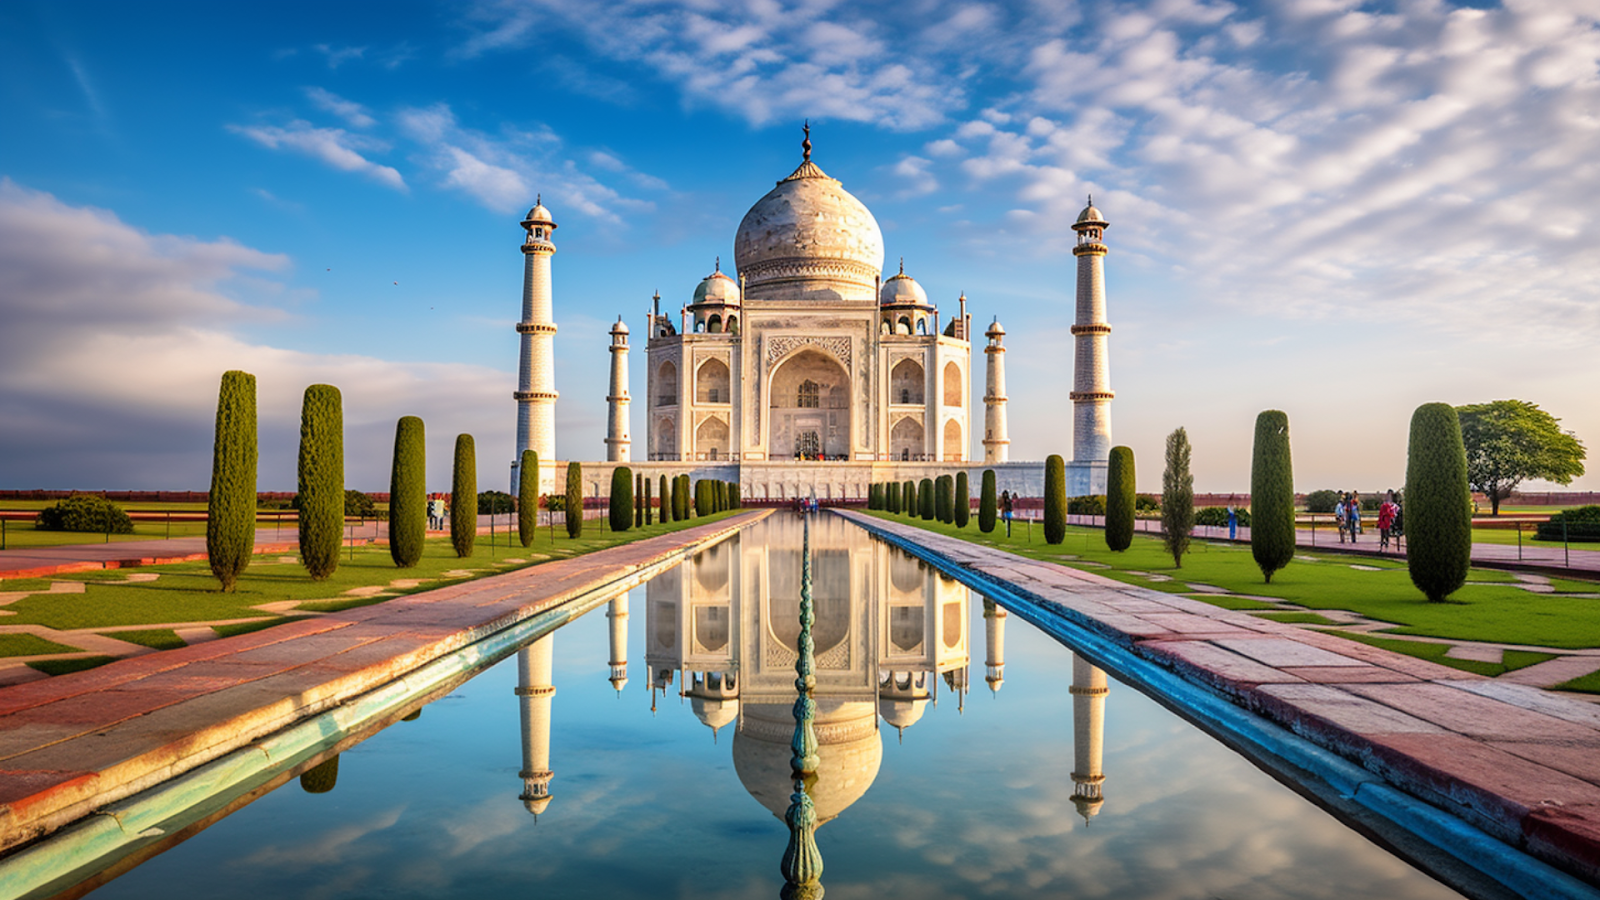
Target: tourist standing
<point x="1005" y="510"/>
<point x="1386" y="513"/>
<point x="1233" y="523"/>
<point x="1339" y="510"/>
<point x="1352" y="515"/>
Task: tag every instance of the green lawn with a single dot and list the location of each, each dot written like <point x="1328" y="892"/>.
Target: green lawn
<point x="1511" y="661"/>
<point x="1297" y="618"/>
<point x="187" y="592"/>
<point x="156" y="638"/>
<point x="31" y="645"/>
<point x="1586" y="684"/>
<point x="1475" y="613"/>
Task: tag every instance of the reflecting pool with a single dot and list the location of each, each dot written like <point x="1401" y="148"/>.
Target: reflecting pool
<point x="644" y="750"/>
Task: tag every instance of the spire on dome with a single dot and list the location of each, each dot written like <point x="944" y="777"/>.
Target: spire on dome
<point x="902" y="265"/>
<point x="805" y="145"/>
<point x="719" y="263"/>
<point x="807" y="169"/>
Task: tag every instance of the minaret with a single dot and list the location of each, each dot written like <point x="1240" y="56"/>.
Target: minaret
<point x="1091" y="379"/>
<point x="535" y="691"/>
<point x="617" y="442"/>
<point x="994" y="634"/>
<point x="1088" y="735"/>
<point x="618" y="614"/>
<point x="536" y="374"/>
<point x="996" y="443"/>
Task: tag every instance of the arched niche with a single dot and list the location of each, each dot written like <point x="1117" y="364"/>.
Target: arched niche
<point x="667" y="384"/>
<point x="711" y="438"/>
<point x="906" y="439"/>
<point x="666" y="439"/>
<point x="952" y="384"/>
<point x="809" y="401"/>
<point x="714" y="324"/>
<point x="906" y="382"/>
<point x="711" y="382"/>
<point x="953" y="447"/>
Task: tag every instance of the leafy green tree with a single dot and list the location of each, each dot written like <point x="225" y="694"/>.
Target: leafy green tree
<point x="231" y="505"/>
<point x="944" y="499"/>
<point x="1438" y="505"/>
<point x="1321" y="501"/>
<point x="1511" y="441"/>
<point x="620" y="503"/>
<point x="321" y="480"/>
<point x="925" y="498"/>
<point x="1120" y="499"/>
<point x="574" y="500"/>
<point x="1177" y="497"/>
<point x="408" y="494"/>
<point x="963" y="500"/>
<point x="463" y="497"/>
<point x="1055" y="499"/>
<point x="1272" y="534"/>
<point x="527" y="497"/>
<point x="988" y="503"/>
<point x="84" y="513"/>
<point x="494" y="503"/>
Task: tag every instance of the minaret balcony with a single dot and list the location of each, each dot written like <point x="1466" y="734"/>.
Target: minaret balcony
<point x="1090" y="249"/>
<point x="534" y="395"/>
<point x="535" y="328"/>
<point x="1090" y="395"/>
<point x="1091" y="328"/>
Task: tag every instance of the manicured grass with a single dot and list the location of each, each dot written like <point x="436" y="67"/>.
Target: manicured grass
<point x="31" y="645"/>
<point x="247" y="627"/>
<point x="187" y="592"/>
<point x="66" y="666"/>
<point x="1489" y="612"/>
<point x="1584" y="684"/>
<point x="156" y="638"/>
<point x="1511" y="661"/>
<point x="1292" y="617"/>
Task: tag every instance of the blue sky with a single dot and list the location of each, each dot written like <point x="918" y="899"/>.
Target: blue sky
<point x="1338" y="209"/>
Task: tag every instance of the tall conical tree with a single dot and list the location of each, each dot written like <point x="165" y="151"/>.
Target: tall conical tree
<point x="638" y="499"/>
<point x="321" y="480"/>
<point x="321" y="778"/>
<point x="963" y="500"/>
<point x="925" y="498"/>
<point x="574" y="504"/>
<point x="464" y="497"/>
<point x="1272" y="494"/>
<point x="1055" y="499"/>
<point x="231" y="505"/>
<point x="944" y="499"/>
<point x="1120" y="499"/>
<point x="649" y="514"/>
<point x="666" y="502"/>
<point x="620" y="504"/>
<point x="910" y="503"/>
<point x="688" y="497"/>
<point x="1177" y="497"/>
<point x="988" y="503"/>
<point x="891" y="497"/>
<point x="408" y="494"/>
<point x="1438" y="504"/>
<point x="527" y="497"/>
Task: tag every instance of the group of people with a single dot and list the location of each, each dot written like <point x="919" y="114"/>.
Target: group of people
<point x="1347" y="512"/>
<point x="438" y="511"/>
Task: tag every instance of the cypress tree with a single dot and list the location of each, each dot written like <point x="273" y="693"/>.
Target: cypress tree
<point x="321" y="480"/>
<point x="1272" y="494"/>
<point x="891" y="497"/>
<point x="677" y="499"/>
<point x="620" y="503"/>
<point x="464" y="497"/>
<point x="988" y="503"/>
<point x="944" y="499"/>
<point x="925" y="498"/>
<point x="910" y="505"/>
<point x="648" y="511"/>
<point x="963" y="500"/>
<point x="574" y="502"/>
<point x="320" y="778"/>
<point x="527" y="497"/>
<point x="231" y="505"/>
<point x="638" y="500"/>
<point x="702" y="498"/>
<point x="1055" y="499"/>
<point x="666" y="502"/>
<point x="688" y="496"/>
<point x="735" y="496"/>
<point x="408" y="494"/>
<point x="1177" y="497"/>
<point x="1438" y="505"/>
<point x="1120" y="499"/>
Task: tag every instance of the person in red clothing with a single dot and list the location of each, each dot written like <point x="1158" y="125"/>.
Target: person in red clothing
<point x="1386" y="513"/>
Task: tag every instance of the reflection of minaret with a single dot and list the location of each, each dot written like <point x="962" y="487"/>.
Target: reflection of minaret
<point x="1088" y="735"/>
<point x="994" y="632"/>
<point x="618" y="614"/>
<point x="533" y="686"/>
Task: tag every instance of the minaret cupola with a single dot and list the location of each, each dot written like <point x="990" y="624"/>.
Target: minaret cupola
<point x="903" y="305"/>
<point x="716" y="303"/>
<point x="540" y="227"/>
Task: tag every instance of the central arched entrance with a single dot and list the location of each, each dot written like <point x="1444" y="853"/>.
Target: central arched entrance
<point x="809" y="405"/>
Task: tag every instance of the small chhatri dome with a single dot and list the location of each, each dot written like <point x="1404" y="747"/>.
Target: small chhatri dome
<point x="1091" y="216"/>
<point x="539" y="215"/>
<point x="995" y="328"/>
<point x="902" y="290"/>
<point x="717" y="288"/>
<point x="620" y="328"/>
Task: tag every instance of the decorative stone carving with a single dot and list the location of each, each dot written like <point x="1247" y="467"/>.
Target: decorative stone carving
<point x="782" y="345"/>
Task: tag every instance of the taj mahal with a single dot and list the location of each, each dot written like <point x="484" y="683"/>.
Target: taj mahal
<point x="805" y="372"/>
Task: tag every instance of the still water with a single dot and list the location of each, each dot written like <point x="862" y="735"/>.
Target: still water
<point x="963" y="754"/>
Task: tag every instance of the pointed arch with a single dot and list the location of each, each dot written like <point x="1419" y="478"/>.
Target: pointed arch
<point x="667" y="384"/>
<point x="954" y="449"/>
<point x="906" y="439"/>
<point x="952" y="384"/>
<point x="711" y="382"/>
<point x="906" y="382"/>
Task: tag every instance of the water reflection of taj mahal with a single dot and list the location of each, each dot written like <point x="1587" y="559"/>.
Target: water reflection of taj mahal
<point x="891" y="635"/>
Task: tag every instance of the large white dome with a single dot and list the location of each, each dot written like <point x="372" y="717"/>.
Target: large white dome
<point x="809" y="237"/>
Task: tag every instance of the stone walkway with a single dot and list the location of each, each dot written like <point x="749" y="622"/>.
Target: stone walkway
<point x="1521" y="764"/>
<point x="71" y="744"/>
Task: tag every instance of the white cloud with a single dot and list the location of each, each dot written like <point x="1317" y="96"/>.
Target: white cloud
<point x="914" y="169"/>
<point x="334" y="146"/>
<point x="112" y="341"/>
<point x="338" y="56"/>
<point x="353" y="113"/>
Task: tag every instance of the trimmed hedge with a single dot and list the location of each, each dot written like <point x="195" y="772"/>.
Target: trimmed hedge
<point x="321" y="480"/>
<point x="1321" y="501"/>
<point x="1272" y="534"/>
<point x="84" y="512"/>
<point x="910" y="504"/>
<point x="231" y="506"/>
<point x="891" y="495"/>
<point x="527" y="497"/>
<point x="963" y="500"/>
<point x="1120" y="499"/>
<point x="463" y="497"/>
<point x="1438" y="506"/>
<point x="925" y="499"/>
<point x="573" y="502"/>
<point x="408" y="494"/>
<point x="620" y="503"/>
<point x="1055" y="499"/>
<point x="492" y="503"/>
<point x="1578" y="525"/>
<point x="988" y="502"/>
<point x="1217" y="516"/>
<point x="944" y="490"/>
<point x="702" y="498"/>
<point x="1087" y="505"/>
<point x="1177" y="497"/>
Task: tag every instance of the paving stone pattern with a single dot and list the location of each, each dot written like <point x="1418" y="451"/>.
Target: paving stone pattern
<point x="1520" y="763"/>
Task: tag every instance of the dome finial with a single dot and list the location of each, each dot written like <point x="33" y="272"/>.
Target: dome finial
<point x="538" y="199"/>
<point x="719" y="263"/>
<point x="805" y="145"/>
<point x="902" y="265"/>
<point x="1091" y="200"/>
